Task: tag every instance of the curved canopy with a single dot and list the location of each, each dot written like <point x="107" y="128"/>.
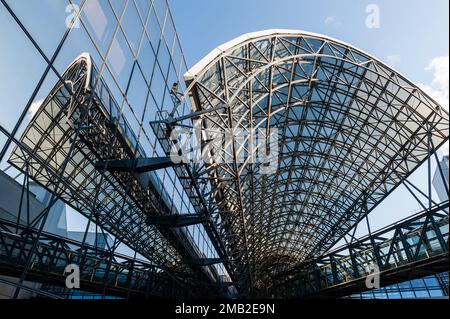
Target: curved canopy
<point x="350" y="129"/>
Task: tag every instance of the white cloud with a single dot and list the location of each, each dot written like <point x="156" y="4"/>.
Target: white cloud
<point x="438" y="88"/>
<point x="436" y="94"/>
<point x="439" y="66"/>
<point x="332" y="21"/>
<point x="329" y="20"/>
<point x="394" y="60"/>
<point x="34" y="107"/>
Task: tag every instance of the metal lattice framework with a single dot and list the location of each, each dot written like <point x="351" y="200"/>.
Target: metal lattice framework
<point x="411" y="248"/>
<point x="102" y="271"/>
<point x="351" y="130"/>
<point x="79" y="125"/>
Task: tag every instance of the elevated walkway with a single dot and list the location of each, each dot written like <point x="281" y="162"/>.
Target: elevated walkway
<point x="412" y="248"/>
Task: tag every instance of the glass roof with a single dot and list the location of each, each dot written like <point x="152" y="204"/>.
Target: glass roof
<point x="349" y="130"/>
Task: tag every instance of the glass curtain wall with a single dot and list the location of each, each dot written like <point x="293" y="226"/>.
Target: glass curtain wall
<point x="134" y="45"/>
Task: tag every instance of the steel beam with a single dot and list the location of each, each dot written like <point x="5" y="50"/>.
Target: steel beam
<point x="205" y="261"/>
<point x="177" y="220"/>
<point x="139" y="165"/>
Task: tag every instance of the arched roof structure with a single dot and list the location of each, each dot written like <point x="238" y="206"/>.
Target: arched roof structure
<point x="350" y="130"/>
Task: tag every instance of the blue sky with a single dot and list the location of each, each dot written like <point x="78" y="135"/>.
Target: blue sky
<point x="412" y="32"/>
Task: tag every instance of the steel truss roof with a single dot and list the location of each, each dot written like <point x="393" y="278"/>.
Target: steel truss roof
<point x="350" y="130"/>
<point x="68" y="135"/>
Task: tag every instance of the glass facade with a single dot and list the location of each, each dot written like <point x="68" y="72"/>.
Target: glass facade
<point x="440" y="179"/>
<point x="137" y="56"/>
<point x="433" y="286"/>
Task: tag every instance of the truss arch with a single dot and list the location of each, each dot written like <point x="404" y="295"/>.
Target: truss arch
<point x="350" y="130"/>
